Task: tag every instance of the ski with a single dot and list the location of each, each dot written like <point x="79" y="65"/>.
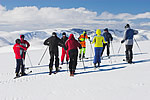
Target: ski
<point x="127" y="62"/>
<point x="21" y="76"/>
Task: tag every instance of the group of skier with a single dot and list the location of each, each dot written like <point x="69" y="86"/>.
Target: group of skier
<point x="70" y="48"/>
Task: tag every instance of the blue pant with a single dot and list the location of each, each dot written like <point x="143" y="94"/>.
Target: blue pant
<point x="19" y="66"/>
<point x="97" y="57"/>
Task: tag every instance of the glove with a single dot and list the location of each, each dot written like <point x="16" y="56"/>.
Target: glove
<point x="122" y="41"/>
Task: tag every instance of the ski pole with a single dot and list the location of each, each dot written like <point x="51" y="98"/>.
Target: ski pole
<point x="137" y="45"/>
<point x="92" y="49"/>
<point x="119" y="48"/>
<point x="83" y="64"/>
<point x="112" y="48"/>
<point x="29" y="60"/>
<point x="42" y="56"/>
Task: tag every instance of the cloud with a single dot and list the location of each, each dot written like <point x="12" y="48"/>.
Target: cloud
<point x="32" y="18"/>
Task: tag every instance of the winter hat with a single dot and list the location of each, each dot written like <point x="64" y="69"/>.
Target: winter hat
<point x="18" y="41"/>
<point x="53" y="34"/>
<point x="106" y="29"/>
<point x="127" y="26"/>
<point x="64" y="33"/>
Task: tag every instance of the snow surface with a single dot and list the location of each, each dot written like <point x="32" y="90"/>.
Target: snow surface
<point x="113" y="81"/>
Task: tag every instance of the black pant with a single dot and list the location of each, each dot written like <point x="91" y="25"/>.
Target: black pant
<point x="52" y="54"/>
<point x="19" y="65"/>
<point x="129" y="53"/>
<point x="73" y="55"/>
<point x="104" y="45"/>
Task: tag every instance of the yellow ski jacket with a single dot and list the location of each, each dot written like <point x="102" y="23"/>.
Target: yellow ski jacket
<point x="98" y="40"/>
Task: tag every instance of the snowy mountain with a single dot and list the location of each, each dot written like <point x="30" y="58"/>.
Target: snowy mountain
<point x="8" y="38"/>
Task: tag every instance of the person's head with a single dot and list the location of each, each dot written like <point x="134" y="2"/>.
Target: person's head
<point x="18" y="41"/>
<point x="98" y="32"/>
<point x="71" y="36"/>
<point x="54" y="34"/>
<point x="106" y="30"/>
<point x="64" y="34"/>
<point x="84" y="32"/>
<point x="22" y="37"/>
<point x="127" y="26"/>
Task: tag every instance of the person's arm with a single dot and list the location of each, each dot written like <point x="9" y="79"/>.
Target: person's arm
<point x="66" y="45"/>
<point x="103" y="40"/>
<point x="46" y="42"/>
<point x="111" y="38"/>
<point x="94" y="40"/>
<point x="135" y="32"/>
<point x="24" y="48"/>
<point x="28" y="44"/>
<point x="124" y="37"/>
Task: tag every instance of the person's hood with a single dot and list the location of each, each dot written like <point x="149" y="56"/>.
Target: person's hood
<point x="71" y="37"/>
<point x="98" y="32"/>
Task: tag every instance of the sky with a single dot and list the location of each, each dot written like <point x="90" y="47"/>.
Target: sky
<point x="42" y="14"/>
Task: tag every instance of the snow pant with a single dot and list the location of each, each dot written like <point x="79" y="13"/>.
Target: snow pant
<point x="82" y="50"/>
<point x="73" y="55"/>
<point x="63" y="55"/>
<point x="52" y="54"/>
<point x="97" y="56"/>
<point x="19" y="65"/>
<point x="108" y="51"/>
<point x="129" y="53"/>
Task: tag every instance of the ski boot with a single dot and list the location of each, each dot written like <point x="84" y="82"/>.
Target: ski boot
<point x="95" y="65"/>
<point x="50" y="72"/>
<point x="62" y="63"/>
<point x="79" y="56"/>
<point x="83" y="56"/>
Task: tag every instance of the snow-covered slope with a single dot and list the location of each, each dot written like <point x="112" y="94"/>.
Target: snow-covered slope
<point x="113" y="81"/>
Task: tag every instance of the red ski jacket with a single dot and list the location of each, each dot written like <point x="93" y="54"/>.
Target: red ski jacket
<point x="72" y="43"/>
<point x="17" y="50"/>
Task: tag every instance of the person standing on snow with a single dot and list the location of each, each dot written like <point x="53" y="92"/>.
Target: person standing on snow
<point x="64" y="39"/>
<point x="108" y="37"/>
<point x="19" y="61"/>
<point x="82" y="39"/>
<point x="72" y="46"/>
<point x="53" y="42"/>
<point x="128" y="39"/>
<point x="26" y="44"/>
<point x="99" y="41"/>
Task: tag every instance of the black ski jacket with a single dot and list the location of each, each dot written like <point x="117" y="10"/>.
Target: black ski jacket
<point x="53" y="42"/>
<point x="108" y="37"/>
<point x="64" y="39"/>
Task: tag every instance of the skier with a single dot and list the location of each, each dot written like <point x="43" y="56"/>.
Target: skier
<point x="26" y="44"/>
<point x="108" y="37"/>
<point x="19" y="60"/>
<point x="82" y="39"/>
<point x="128" y="38"/>
<point x="98" y="40"/>
<point x="53" y="42"/>
<point x="64" y="39"/>
<point x="72" y="46"/>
